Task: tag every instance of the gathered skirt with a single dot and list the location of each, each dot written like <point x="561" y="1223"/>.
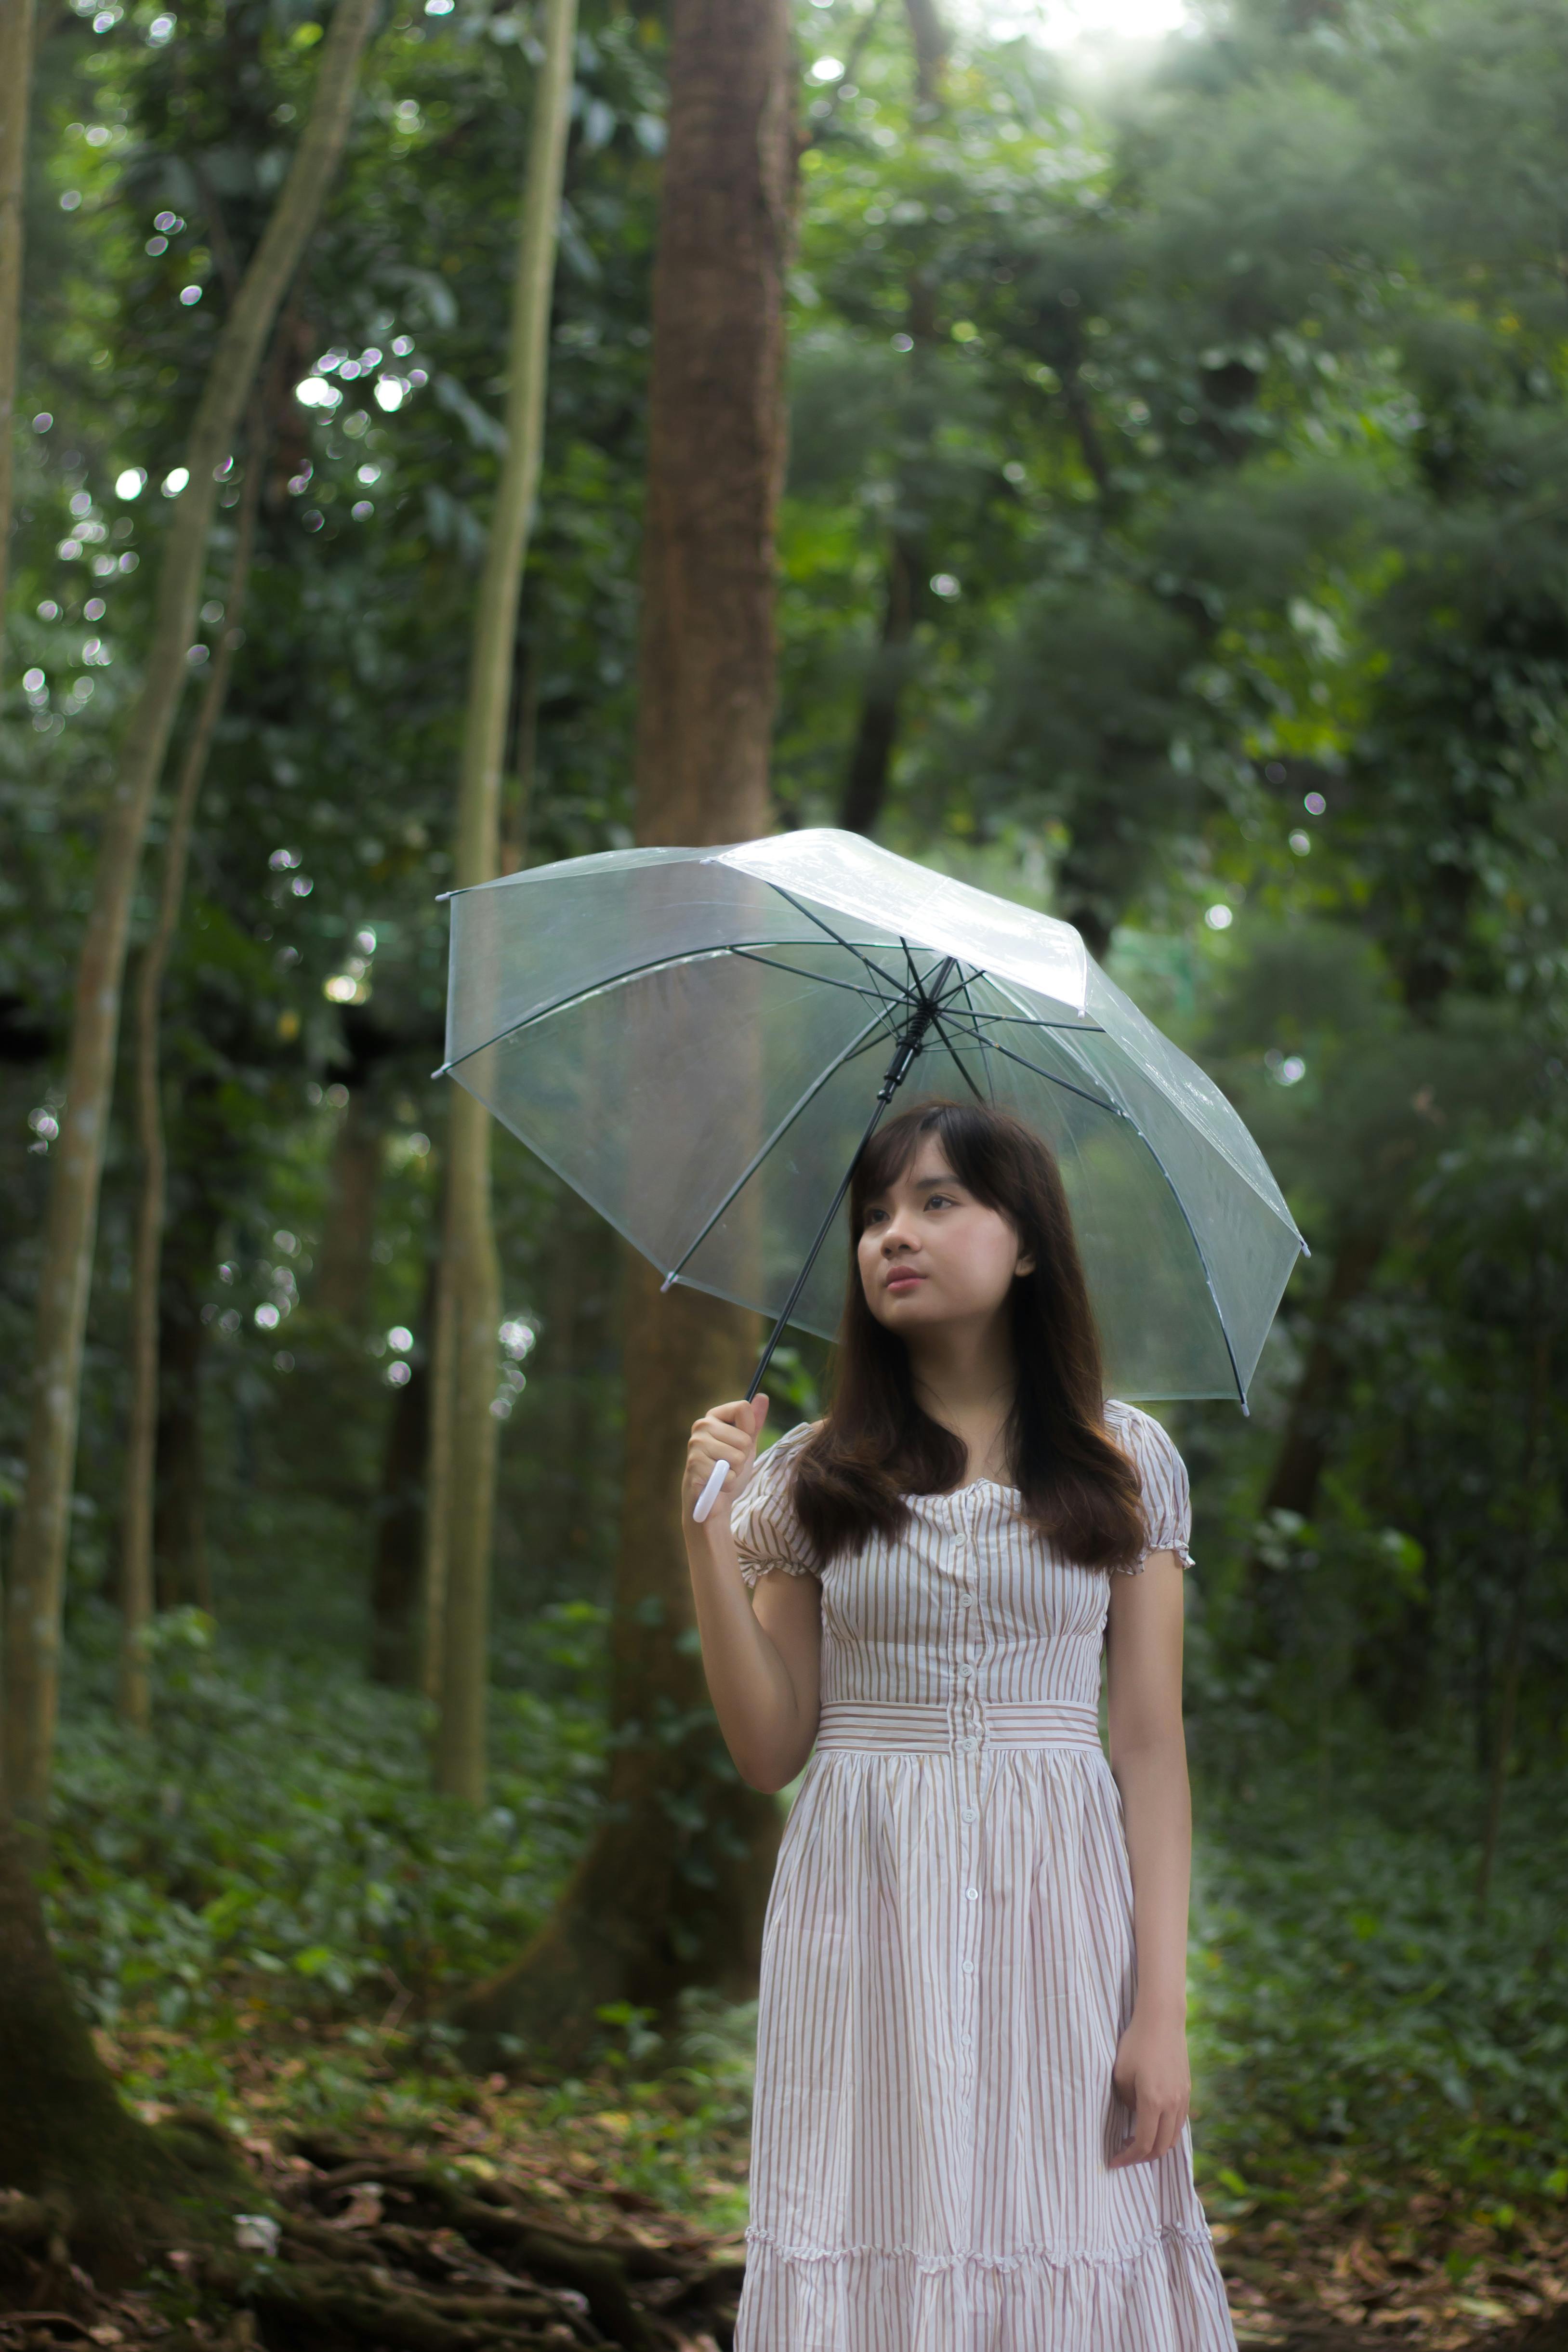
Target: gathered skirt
<point x="947" y="1965"/>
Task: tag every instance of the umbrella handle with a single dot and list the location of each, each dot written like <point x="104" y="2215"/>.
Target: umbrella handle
<point x="710" y="1493"/>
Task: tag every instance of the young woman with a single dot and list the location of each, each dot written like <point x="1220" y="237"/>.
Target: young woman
<point x="970" y="2130"/>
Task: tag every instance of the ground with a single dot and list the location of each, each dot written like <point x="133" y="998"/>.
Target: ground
<point x="342" y="2123"/>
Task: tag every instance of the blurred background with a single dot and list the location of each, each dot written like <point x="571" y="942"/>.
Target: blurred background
<point x="1175" y="539"/>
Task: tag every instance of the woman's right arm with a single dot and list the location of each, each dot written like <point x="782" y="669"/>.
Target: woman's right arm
<point x="761" y="1650"/>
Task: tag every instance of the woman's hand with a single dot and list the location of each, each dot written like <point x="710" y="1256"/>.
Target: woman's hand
<point x="728" y="1433"/>
<point x="1151" y="2077"/>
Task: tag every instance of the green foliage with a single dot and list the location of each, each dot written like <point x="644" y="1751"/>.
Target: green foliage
<point x="275" y="1841"/>
<point x="1214" y="420"/>
<point x="1350" y="2010"/>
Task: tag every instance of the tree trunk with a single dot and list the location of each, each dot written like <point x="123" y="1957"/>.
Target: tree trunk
<point x="38" y="1569"/>
<point x="400" y="1524"/>
<point x="64" y="2134"/>
<point x="870" y="769"/>
<point x="1519" y="1620"/>
<point x="15" y="95"/>
<point x="345" y="1272"/>
<point x="462" y="1501"/>
<point x="876" y="732"/>
<point x="136" y="1581"/>
<point x="673" y="1889"/>
<point x="106" y="2181"/>
<point x="1303" y="1449"/>
<point x="181" y="1576"/>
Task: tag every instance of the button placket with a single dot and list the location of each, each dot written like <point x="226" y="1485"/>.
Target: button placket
<point x="968" y="1774"/>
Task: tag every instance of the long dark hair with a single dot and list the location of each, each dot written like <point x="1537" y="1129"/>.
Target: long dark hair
<point x="878" y="1444"/>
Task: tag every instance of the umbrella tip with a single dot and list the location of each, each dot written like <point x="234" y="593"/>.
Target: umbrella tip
<point x="444" y="1072"/>
<point x="669" y="1278"/>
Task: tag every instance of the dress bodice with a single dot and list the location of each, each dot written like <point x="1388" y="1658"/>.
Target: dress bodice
<point x="966" y="1603"/>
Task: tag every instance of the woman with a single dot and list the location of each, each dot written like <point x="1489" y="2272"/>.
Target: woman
<point x="970" y="2131"/>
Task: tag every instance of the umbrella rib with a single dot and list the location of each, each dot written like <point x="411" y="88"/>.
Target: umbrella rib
<point x="614" y="980"/>
<point x="940" y="1027"/>
<point x="897" y="993"/>
<point x="818" y="979"/>
<point x="1038" y="1020"/>
<point x="858" y="1044"/>
<point x="1066" y="1084"/>
<point x="984" y="1041"/>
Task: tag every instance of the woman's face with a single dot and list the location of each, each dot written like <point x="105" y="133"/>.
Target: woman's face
<point x="930" y="1253"/>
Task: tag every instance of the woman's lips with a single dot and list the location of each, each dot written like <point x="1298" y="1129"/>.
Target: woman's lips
<point x="903" y="1281"/>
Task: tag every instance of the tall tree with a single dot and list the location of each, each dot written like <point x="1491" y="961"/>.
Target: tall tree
<point x="906" y="594"/>
<point x="136" y="1581"/>
<point x="36" y="1586"/>
<point x="16" y="93"/>
<point x="672" y="1891"/>
<point x="462" y="1484"/>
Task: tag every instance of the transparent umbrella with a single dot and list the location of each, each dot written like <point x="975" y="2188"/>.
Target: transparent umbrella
<point x="700" y="1041"/>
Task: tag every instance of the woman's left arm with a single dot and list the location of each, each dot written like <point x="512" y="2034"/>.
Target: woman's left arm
<point x="1148" y="1757"/>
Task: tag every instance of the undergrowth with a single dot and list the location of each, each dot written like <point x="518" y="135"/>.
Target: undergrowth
<point x="263" y="1906"/>
<point x="1352" y="2014"/>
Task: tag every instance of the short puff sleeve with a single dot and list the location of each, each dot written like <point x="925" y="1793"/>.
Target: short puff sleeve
<point x="1161" y="1473"/>
<point x="767" y="1535"/>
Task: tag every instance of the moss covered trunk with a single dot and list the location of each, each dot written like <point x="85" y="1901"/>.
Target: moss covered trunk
<point x="65" y="2137"/>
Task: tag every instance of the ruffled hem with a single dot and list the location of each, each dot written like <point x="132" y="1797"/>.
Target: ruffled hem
<point x="1056" y="2258"/>
<point x="1163" y="2293"/>
<point x="1135" y="1567"/>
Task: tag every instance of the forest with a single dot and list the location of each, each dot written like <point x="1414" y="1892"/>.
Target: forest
<point x="441" y="438"/>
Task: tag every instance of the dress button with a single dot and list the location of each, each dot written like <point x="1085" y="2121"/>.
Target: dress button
<point x="968" y="1745"/>
<point x="965" y="1672"/>
<point x="970" y="1813"/>
<point x="971" y="1893"/>
<point x="968" y="1967"/>
<point x="966" y="1601"/>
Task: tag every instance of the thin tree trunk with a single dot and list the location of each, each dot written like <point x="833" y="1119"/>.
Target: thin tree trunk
<point x="399" y="1522"/>
<point x="469" y="1271"/>
<point x="1518" y="1623"/>
<point x="519" y="798"/>
<point x="136" y="1581"/>
<point x="870" y="769"/>
<point x="15" y="96"/>
<point x="673" y="1889"/>
<point x="182" y="1578"/>
<point x="346" y="1270"/>
<point x="1303" y="1449"/>
<point x="876" y="733"/>
<point x="437" y="1477"/>
<point x="1502" y="1749"/>
<point x="38" y="1571"/>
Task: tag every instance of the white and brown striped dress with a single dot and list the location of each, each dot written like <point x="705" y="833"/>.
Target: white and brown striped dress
<point x="947" y="1960"/>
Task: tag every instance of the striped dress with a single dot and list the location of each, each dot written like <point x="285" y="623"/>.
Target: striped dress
<point x="947" y="1960"/>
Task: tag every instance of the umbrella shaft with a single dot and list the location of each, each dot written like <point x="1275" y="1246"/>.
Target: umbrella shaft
<point x="909" y="1044"/>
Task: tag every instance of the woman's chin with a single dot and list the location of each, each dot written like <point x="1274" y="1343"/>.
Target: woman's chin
<point x="901" y="1310"/>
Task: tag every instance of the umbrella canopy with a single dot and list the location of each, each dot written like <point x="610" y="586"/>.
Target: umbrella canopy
<point x="695" y="1041"/>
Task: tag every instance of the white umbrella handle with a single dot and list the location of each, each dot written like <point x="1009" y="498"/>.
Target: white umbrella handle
<point x="710" y="1493"/>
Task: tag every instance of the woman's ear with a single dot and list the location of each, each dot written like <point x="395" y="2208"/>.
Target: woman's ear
<point x="1024" y="1264"/>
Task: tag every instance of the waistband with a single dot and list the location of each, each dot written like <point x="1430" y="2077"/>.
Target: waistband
<point x="965" y="1728"/>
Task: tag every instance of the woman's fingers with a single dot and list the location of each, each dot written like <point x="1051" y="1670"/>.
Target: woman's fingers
<point x="1156" y="2128"/>
<point x="726" y="1436"/>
